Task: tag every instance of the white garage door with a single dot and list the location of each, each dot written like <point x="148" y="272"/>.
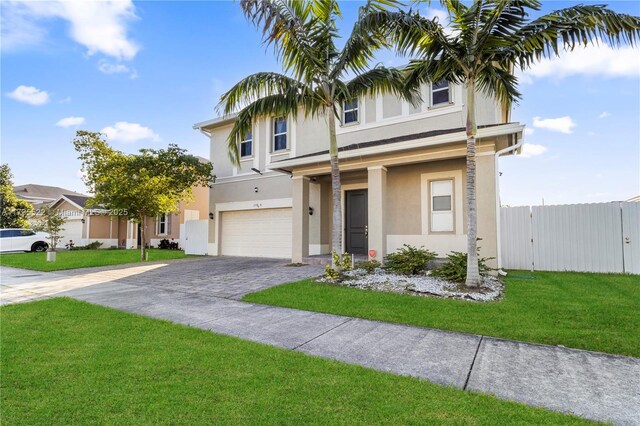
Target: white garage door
<point x="72" y="230"/>
<point x="257" y="233"/>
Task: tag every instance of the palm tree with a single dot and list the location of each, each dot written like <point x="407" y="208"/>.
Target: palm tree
<point x="487" y="41"/>
<point x="304" y="34"/>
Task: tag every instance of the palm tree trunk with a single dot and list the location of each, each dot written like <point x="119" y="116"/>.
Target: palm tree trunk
<point x="473" y="274"/>
<point x="336" y="232"/>
<point x="143" y="225"/>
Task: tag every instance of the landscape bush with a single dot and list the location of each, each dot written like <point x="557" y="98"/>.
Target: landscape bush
<point x="455" y="267"/>
<point x="409" y="260"/>
<point x="368" y="265"/>
<point x="336" y="272"/>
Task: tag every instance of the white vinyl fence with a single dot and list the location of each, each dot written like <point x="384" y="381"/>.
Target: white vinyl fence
<point x="581" y="237"/>
<point x="196" y="237"/>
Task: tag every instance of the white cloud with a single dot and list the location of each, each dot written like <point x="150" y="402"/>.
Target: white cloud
<point x="29" y="95"/>
<point x="70" y="121"/>
<point x="562" y="124"/>
<point x="65" y="100"/>
<point x="597" y="60"/>
<point x="100" y="26"/>
<point x="442" y="17"/>
<point x="529" y="131"/>
<point x="117" y="68"/>
<point x="605" y="114"/>
<point x="532" y="150"/>
<point x="126" y="132"/>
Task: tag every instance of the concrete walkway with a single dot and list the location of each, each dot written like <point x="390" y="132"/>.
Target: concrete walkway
<point x="593" y="385"/>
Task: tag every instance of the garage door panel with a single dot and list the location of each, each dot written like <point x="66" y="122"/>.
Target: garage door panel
<point x="257" y="233"/>
<point x="71" y="230"/>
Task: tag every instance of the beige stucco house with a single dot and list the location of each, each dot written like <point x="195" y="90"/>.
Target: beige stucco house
<point x="85" y="225"/>
<point x="403" y="178"/>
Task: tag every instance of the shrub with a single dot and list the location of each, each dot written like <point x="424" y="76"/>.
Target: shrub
<point x="368" y="265"/>
<point x="455" y="267"/>
<point x="91" y="246"/>
<point x="409" y="260"/>
<point x="335" y="273"/>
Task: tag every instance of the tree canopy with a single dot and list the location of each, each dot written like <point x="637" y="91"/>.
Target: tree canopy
<point x="14" y="212"/>
<point x="149" y="183"/>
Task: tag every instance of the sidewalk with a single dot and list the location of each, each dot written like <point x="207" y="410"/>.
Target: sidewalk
<point x="593" y="385"/>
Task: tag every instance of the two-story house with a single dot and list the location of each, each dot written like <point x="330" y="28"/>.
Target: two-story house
<point x="402" y="170"/>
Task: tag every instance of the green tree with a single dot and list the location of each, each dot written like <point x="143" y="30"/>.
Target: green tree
<point x="51" y="221"/>
<point x="489" y="39"/>
<point x="141" y="185"/>
<point x="14" y="212"/>
<point x="304" y="35"/>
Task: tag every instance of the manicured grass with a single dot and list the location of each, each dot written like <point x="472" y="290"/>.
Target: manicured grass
<point x="83" y="258"/>
<point x="596" y="312"/>
<point x="66" y="362"/>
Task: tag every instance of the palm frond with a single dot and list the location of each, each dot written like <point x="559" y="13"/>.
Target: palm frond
<point x="577" y="25"/>
<point x="285" y="25"/>
<point x="380" y="80"/>
<point x="256" y="86"/>
<point x="270" y="106"/>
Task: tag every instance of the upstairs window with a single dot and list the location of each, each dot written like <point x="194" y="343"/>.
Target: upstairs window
<point x="350" y="112"/>
<point x="279" y="134"/>
<point x="440" y="93"/>
<point x="442" y="205"/>
<point x="246" y="145"/>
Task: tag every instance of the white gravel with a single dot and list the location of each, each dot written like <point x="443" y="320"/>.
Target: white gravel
<point x="423" y="285"/>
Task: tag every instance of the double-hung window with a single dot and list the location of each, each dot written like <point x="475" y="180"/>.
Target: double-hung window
<point x="350" y="112"/>
<point x="246" y="145"/>
<point x="279" y="134"/>
<point x="161" y="224"/>
<point x="440" y="93"/>
<point x="442" y="205"/>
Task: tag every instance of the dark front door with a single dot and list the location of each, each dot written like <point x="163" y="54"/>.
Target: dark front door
<point x="356" y="229"/>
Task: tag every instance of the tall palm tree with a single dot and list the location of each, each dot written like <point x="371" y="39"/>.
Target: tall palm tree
<point x="304" y="35"/>
<point x="487" y="41"/>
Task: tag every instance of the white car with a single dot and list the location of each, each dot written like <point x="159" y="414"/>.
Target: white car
<point x="17" y="239"/>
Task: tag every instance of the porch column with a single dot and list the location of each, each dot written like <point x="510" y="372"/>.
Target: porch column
<point x="300" y="203"/>
<point x="377" y="184"/>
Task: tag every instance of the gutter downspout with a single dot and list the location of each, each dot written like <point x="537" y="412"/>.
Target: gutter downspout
<point x="510" y="148"/>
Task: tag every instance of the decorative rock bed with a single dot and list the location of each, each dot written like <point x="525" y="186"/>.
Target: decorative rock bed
<point x="423" y="285"/>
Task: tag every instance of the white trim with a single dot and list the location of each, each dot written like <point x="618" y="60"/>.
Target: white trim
<point x="274" y="203"/>
<point x="379" y="115"/>
<point x="483" y="133"/>
<point x="61" y="198"/>
<point x="256" y="146"/>
<point x="251" y="176"/>
<point x="377" y="168"/>
<point x="291" y="145"/>
<point x="425" y="201"/>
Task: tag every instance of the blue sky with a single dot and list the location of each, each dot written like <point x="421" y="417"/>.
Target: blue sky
<point x="144" y="72"/>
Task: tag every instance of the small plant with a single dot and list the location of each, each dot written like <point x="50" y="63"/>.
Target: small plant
<point x="455" y="267"/>
<point x="409" y="260"/>
<point x="50" y="221"/>
<point x="368" y="265"/>
<point x="335" y="273"/>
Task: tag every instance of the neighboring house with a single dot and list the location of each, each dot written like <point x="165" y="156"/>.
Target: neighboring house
<point x="88" y="224"/>
<point x="85" y="225"/>
<point x="403" y="178"/>
<point x="41" y="194"/>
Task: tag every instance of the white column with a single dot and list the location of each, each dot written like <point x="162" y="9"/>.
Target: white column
<point x="377" y="193"/>
<point x="300" y="202"/>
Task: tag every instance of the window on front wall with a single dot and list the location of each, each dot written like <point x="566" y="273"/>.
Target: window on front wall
<point x="161" y="224"/>
<point x="440" y="93"/>
<point x="246" y="145"/>
<point x="279" y="134"/>
<point x="350" y="112"/>
<point x="442" y="205"/>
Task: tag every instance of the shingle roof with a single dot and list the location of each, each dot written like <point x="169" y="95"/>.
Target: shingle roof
<point x="44" y="192"/>
<point x="78" y="199"/>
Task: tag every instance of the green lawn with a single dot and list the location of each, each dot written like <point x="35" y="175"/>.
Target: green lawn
<point x="83" y="258"/>
<point x="598" y="312"/>
<point x="65" y="362"/>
